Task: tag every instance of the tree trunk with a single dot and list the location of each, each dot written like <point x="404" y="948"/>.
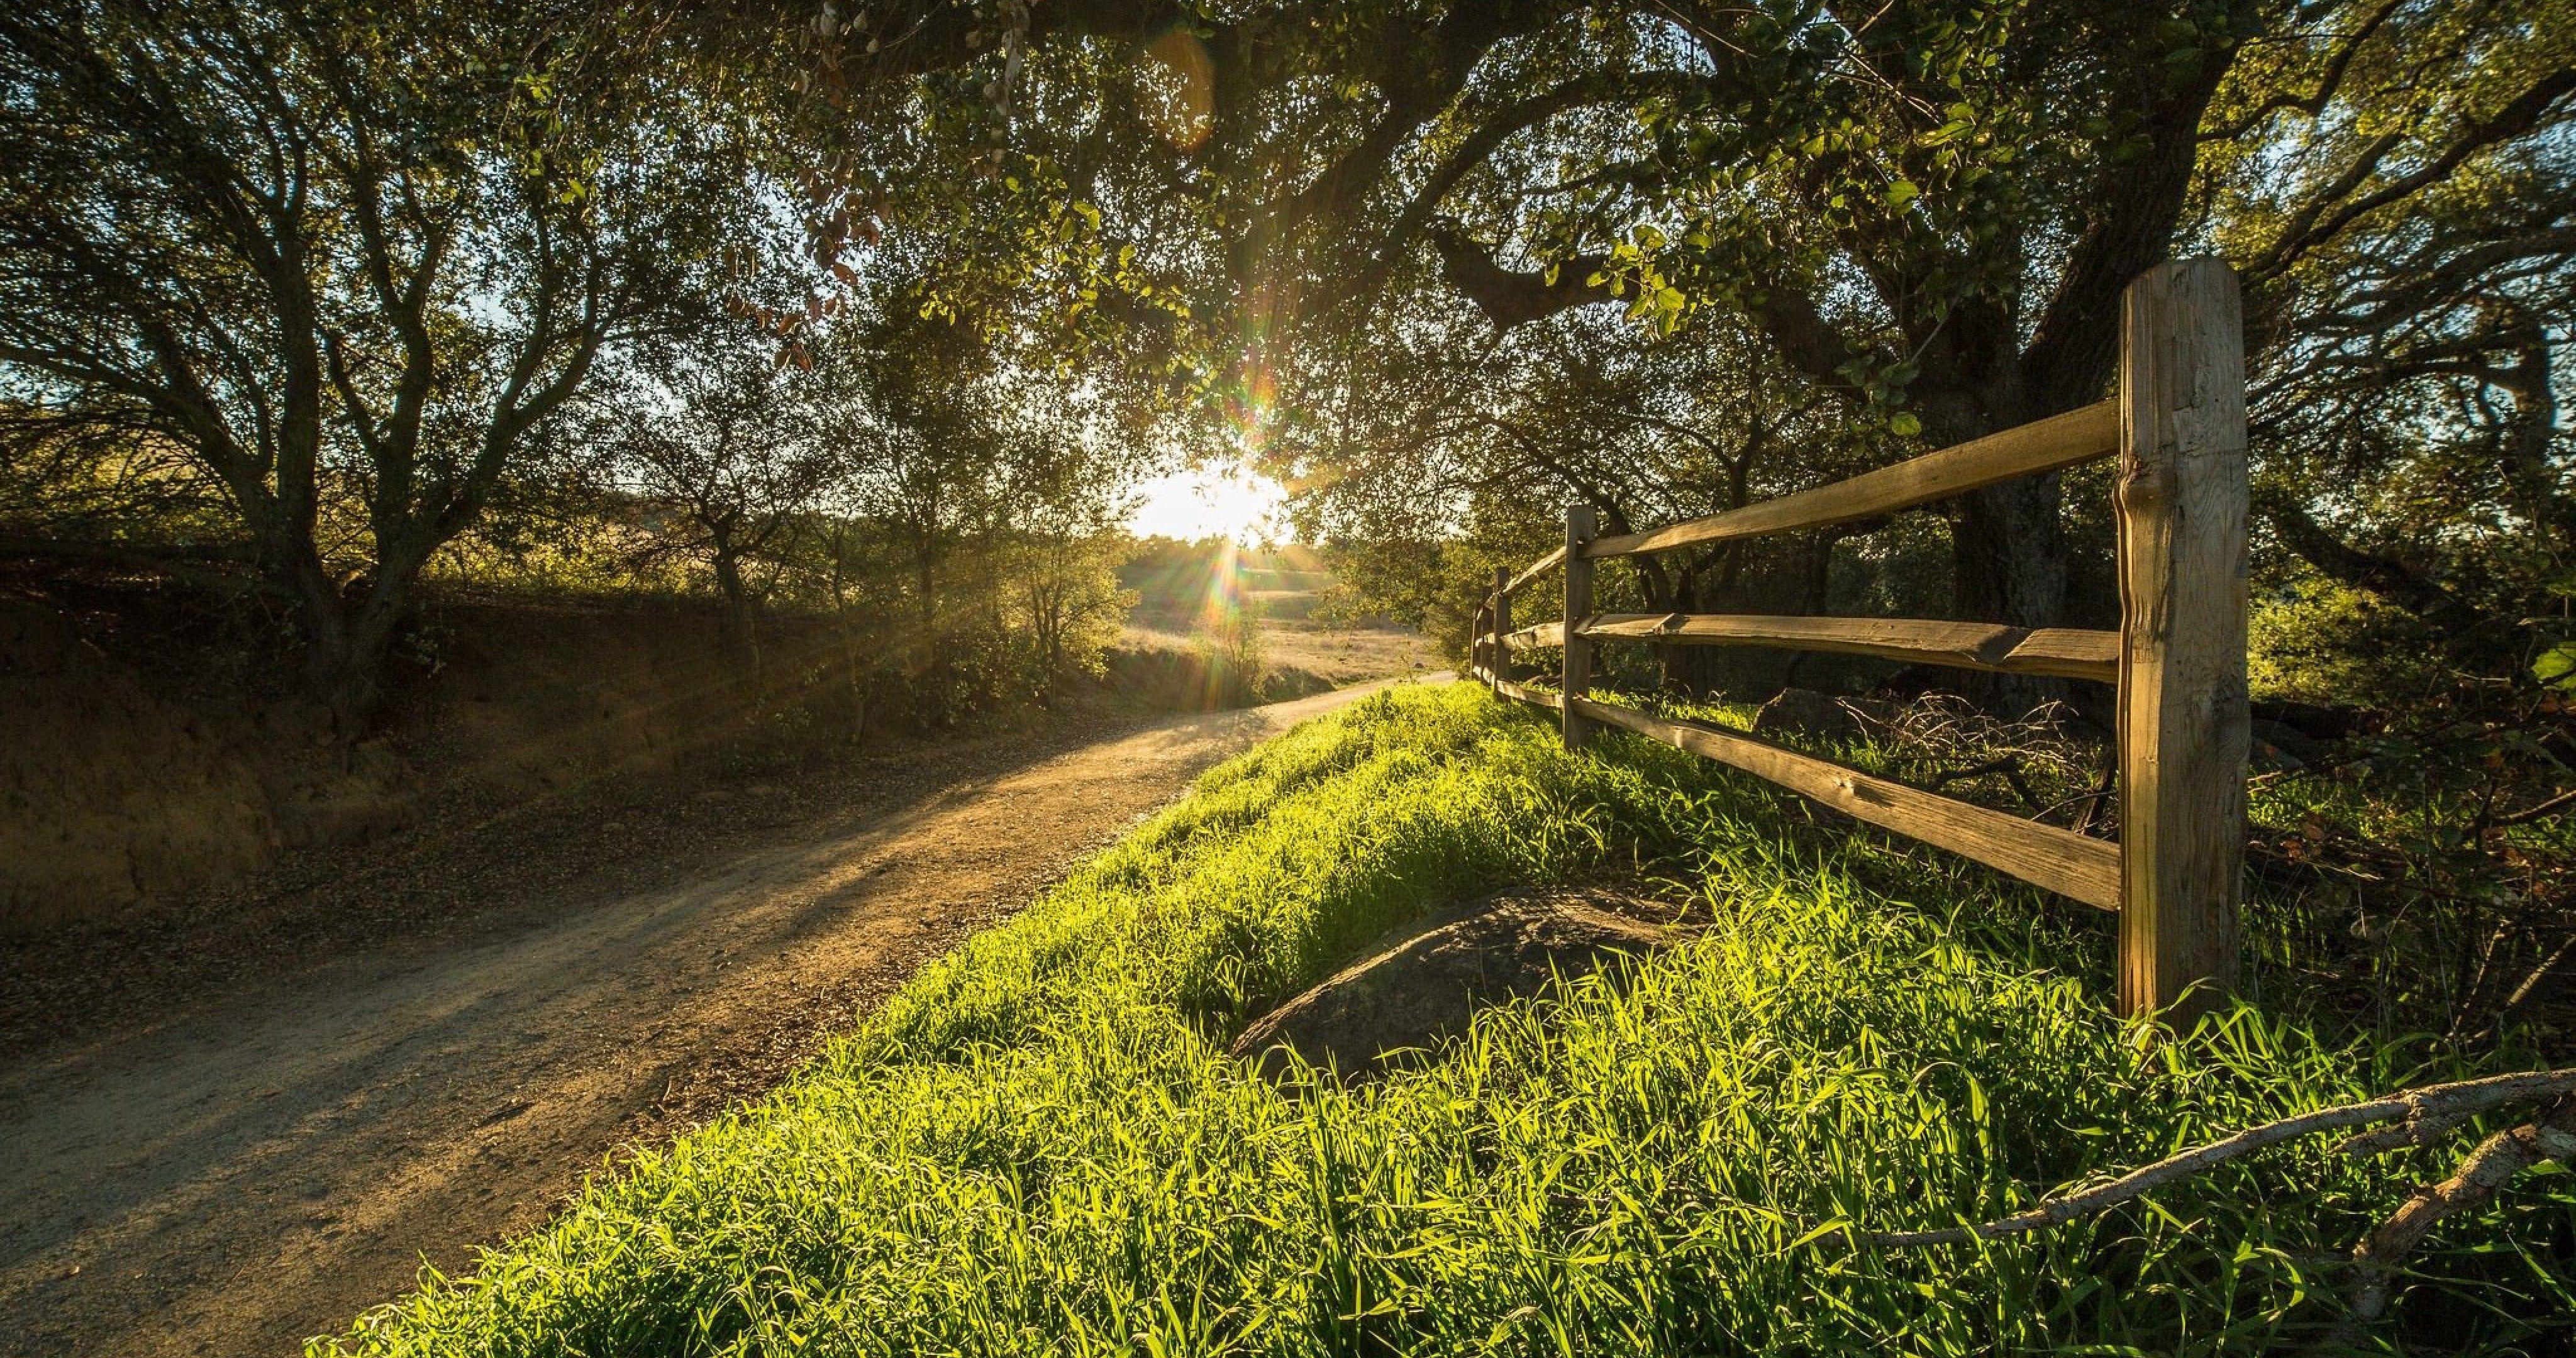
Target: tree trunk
<point x="854" y="661"/>
<point x="344" y="650"/>
<point x="1815" y="589"/>
<point x="1053" y="629"/>
<point x="1684" y="671"/>
<point x="337" y="675"/>
<point x="925" y="569"/>
<point x="2008" y="549"/>
<point x="739" y="637"/>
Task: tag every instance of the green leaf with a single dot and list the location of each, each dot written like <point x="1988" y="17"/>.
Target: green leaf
<point x="1904" y="424"/>
<point x="2556" y="666"/>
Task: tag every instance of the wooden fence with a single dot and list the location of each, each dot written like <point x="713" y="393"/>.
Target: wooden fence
<point x="2177" y="426"/>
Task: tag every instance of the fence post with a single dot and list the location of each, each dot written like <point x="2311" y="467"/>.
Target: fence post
<point x="1576" y="680"/>
<point x="1502" y="624"/>
<point x="1476" y="637"/>
<point x="2183" y="708"/>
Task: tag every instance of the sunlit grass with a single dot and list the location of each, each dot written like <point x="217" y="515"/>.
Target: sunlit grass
<point x="1039" y="1146"/>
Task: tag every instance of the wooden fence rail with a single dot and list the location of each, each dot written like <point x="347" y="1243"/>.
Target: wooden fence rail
<point x="2177" y="427"/>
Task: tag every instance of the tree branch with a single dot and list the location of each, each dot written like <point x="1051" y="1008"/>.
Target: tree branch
<point x="2551" y="1136"/>
<point x="2314" y="225"/>
<point x="2383" y="576"/>
<point x="2423" y="1117"/>
<point x="1509" y="298"/>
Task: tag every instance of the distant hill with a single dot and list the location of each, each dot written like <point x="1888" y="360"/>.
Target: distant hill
<point x="1177" y="580"/>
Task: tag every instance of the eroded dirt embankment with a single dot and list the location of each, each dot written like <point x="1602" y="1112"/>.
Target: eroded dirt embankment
<point x="236" y="1169"/>
<point x="148" y="757"/>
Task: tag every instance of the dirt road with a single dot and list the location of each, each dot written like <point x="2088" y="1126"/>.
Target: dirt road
<point x="264" y="1163"/>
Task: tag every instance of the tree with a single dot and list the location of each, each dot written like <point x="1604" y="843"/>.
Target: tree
<point x="718" y="438"/>
<point x="1064" y="587"/>
<point x="2411" y="245"/>
<point x="1442" y="423"/>
<point x="348" y="254"/>
<point x="914" y="412"/>
<point x="1061" y="556"/>
<point x="1926" y="213"/>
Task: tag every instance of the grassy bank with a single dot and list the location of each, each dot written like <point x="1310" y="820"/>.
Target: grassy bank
<point x="1040" y="1146"/>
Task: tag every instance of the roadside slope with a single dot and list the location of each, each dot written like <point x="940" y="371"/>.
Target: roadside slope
<point x="1040" y="1144"/>
<point x="261" y="1168"/>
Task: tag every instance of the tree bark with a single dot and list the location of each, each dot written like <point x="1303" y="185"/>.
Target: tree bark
<point x="739" y="636"/>
<point x="345" y="647"/>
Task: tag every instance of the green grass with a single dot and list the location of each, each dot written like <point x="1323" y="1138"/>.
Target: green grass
<point x="1040" y="1146"/>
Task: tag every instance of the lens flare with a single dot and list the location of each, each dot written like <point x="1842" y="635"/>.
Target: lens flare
<point x="1183" y="105"/>
<point x="1226" y="623"/>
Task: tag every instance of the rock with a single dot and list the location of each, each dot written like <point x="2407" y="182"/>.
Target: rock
<point x="37" y="639"/>
<point x="1286" y="682"/>
<point x="1421" y="983"/>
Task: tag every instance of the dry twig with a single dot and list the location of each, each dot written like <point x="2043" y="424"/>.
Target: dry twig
<point x="2008" y="765"/>
<point x="2422" y="1117"/>
<point x="2529" y="814"/>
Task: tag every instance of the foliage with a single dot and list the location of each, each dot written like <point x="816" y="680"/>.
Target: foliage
<point x="1910" y="225"/>
<point x="1065" y="590"/>
<point x="344" y="258"/>
<point x="2402" y="206"/>
<point x="319" y="301"/>
<point x="1230" y="647"/>
<point x="1037" y="1145"/>
<point x="720" y="460"/>
<point x="1448" y="267"/>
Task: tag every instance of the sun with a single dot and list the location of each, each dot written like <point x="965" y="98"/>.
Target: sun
<point x="1231" y="502"/>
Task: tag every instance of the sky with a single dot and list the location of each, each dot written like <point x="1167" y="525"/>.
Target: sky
<point x="1215" y="501"/>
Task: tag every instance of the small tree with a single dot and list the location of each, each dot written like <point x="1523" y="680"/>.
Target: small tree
<point x="1061" y="580"/>
<point x="910" y="407"/>
<point x="350" y="254"/>
<point x="1231" y="645"/>
<point x="714" y="440"/>
<point x="1067" y="593"/>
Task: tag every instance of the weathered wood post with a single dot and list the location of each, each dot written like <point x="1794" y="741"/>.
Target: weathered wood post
<point x="1576" y="679"/>
<point x="1477" y="632"/>
<point x="2183" y="707"/>
<point x="1502" y="624"/>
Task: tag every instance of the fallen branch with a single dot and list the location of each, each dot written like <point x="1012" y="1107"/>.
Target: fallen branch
<point x="2529" y="814"/>
<point x="2008" y="765"/>
<point x="2531" y="982"/>
<point x="2091" y="797"/>
<point x="2422" y="1117"/>
<point x="198" y="565"/>
<point x="2551" y="1136"/>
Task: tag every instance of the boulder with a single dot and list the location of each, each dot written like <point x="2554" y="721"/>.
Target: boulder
<point x="1421" y="983"/>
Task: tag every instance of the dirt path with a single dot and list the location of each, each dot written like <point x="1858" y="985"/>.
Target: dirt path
<point x="239" y="1174"/>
